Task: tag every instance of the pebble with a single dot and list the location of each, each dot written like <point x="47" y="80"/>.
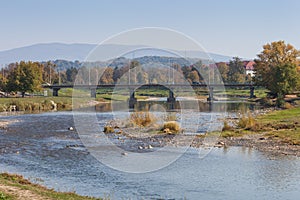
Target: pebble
<point x="70" y="128"/>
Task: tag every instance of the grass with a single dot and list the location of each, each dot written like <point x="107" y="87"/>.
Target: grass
<point x="171" y="127"/>
<point x="142" y="119"/>
<point x="259" y="92"/>
<point x="21" y="185"/>
<point x="281" y="125"/>
<point x="4" y="196"/>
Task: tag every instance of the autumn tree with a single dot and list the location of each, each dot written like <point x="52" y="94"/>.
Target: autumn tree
<point x="107" y="76"/>
<point x="25" y="77"/>
<point x="223" y="70"/>
<point x="236" y="72"/>
<point x="276" y="68"/>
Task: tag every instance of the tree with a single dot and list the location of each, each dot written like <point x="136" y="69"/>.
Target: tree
<point x="49" y="72"/>
<point x="25" y="77"/>
<point x="223" y="70"/>
<point x="236" y="72"/>
<point x="193" y="76"/>
<point x="276" y="68"/>
<point x="107" y="76"/>
<point x="71" y="74"/>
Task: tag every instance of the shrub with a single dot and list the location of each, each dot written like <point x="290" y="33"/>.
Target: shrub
<point x="267" y="102"/>
<point x="108" y="129"/>
<point x="226" y="126"/>
<point x="247" y="122"/>
<point x="142" y="118"/>
<point x="3" y="196"/>
<point x="172" y="126"/>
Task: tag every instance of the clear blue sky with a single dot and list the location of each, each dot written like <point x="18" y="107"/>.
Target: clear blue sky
<point x="229" y="27"/>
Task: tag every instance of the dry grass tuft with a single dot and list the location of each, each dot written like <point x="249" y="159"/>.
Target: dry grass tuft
<point x="171" y="126"/>
<point x="248" y="123"/>
<point x="226" y="127"/>
<point x="108" y="129"/>
<point x="142" y="119"/>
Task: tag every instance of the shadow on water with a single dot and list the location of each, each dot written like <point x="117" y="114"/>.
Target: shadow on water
<point x="217" y="106"/>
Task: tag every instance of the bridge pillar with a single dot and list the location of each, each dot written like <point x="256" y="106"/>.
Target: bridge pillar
<point x="252" y="92"/>
<point x="210" y="94"/>
<point x="55" y="91"/>
<point x="132" y="99"/>
<point x="171" y="98"/>
<point x="93" y="92"/>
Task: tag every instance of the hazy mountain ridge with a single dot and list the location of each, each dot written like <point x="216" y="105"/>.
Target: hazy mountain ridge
<point x="73" y="52"/>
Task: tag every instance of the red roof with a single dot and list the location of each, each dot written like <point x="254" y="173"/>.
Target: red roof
<point x="249" y="65"/>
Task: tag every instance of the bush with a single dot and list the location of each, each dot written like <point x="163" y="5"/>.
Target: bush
<point x="3" y="196"/>
<point x="142" y="118"/>
<point x="108" y="129"/>
<point x="267" y="102"/>
<point x="248" y="122"/>
<point x="172" y="126"/>
<point x="226" y="126"/>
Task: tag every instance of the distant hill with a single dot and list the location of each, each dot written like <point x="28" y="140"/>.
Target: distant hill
<point x="73" y="52"/>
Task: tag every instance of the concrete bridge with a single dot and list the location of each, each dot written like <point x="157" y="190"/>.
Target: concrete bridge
<point x="133" y="87"/>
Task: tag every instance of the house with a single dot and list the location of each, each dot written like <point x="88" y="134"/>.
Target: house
<point x="249" y="67"/>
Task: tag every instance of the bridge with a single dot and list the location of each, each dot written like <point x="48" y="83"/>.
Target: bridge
<point x="133" y="87"/>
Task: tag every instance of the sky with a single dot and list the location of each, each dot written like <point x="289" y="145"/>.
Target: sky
<point x="227" y="27"/>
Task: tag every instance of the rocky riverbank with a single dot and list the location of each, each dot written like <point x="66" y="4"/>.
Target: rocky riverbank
<point x="272" y="131"/>
<point x="263" y="143"/>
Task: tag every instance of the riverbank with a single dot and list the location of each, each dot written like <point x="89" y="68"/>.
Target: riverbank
<point x="15" y="187"/>
<point x="276" y="132"/>
<point x="272" y="131"/>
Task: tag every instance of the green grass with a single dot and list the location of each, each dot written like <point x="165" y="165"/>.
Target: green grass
<point x="287" y="115"/>
<point x="22" y="184"/>
<point x="259" y="93"/>
<point x="4" y="196"/>
<point x="282" y="125"/>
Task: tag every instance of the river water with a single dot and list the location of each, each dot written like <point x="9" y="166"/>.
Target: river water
<point x="40" y="147"/>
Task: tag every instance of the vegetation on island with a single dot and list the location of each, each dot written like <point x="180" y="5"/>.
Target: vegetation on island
<point x="280" y="125"/>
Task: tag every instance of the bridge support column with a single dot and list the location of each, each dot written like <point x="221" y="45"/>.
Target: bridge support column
<point x="55" y="91"/>
<point x="171" y="98"/>
<point x="210" y="94"/>
<point x="93" y="92"/>
<point x="132" y="99"/>
<point x="252" y="92"/>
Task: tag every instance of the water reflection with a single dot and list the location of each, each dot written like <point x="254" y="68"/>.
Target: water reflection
<point x="219" y="106"/>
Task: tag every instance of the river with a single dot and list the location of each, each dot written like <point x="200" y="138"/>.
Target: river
<point x="40" y="147"/>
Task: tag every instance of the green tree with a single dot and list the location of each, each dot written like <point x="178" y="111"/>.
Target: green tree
<point x="276" y="68"/>
<point x="25" y="77"/>
<point x="71" y="74"/>
<point x="236" y="71"/>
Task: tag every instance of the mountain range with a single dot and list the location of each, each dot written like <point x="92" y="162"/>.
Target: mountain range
<point x="73" y="52"/>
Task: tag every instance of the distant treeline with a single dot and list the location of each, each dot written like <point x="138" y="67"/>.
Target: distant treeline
<point x="29" y="76"/>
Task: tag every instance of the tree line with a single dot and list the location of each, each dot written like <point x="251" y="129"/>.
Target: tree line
<point x="276" y="68"/>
